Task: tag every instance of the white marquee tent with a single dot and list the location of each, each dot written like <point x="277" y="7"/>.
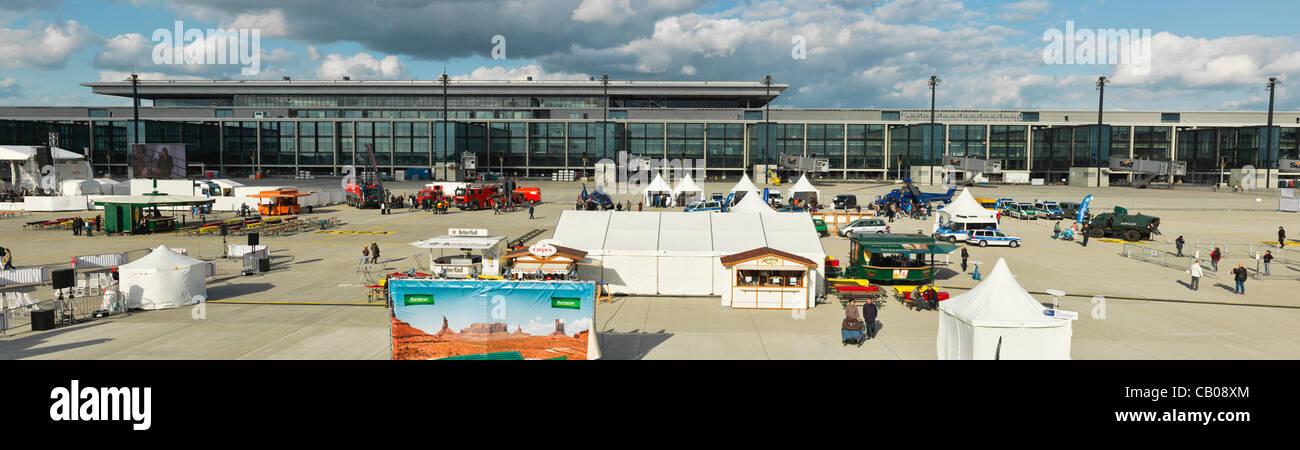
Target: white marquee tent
<point x="27" y="152"/>
<point x="752" y="204"/>
<point x="676" y="253"/>
<point x="657" y="187"/>
<point x="998" y="319"/>
<point x="744" y="185"/>
<point x="163" y="279"/>
<point x="966" y="214"/>
<point x="686" y="186"/>
<point x="804" y="187"/>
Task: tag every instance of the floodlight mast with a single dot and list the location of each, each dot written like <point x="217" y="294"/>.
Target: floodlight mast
<point x="1101" y="99"/>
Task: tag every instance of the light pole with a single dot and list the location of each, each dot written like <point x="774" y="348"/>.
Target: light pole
<point x="135" y="120"/>
<point x="604" y="150"/>
<point x="1268" y="146"/>
<point x="1101" y="98"/>
<point x="446" y="144"/>
<point x="767" y="118"/>
<point x="934" y="84"/>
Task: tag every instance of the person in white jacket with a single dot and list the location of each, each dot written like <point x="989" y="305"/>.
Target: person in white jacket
<point x="1196" y="272"/>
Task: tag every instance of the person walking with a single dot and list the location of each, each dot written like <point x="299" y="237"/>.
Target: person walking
<point x="1085" y="233"/>
<point x="1215" y="256"/>
<point x="639" y="205"/>
<point x="374" y="252"/>
<point x="1268" y="258"/>
<point x="90" y="227"/>
<point x="869" y="312"/>
<point x="1196" y="272"/>
<point x="76" y="226"/>
<point x="530" y="212"/>
<point x="1239" y="275"/>
<point x="6" y="258"/>
<point x="965" y="254"/>
<point x="1056" y="231"/>
<point x="1281" y="237"/>
<point x="99" y="222"/>
<point x="1178" y="243"/>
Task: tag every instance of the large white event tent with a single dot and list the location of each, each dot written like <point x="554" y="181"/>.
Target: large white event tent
<point x="744" y="186"/>
<point x="752" y="204"/>
<point x="163" y="279"/>
<point x="964" y="213"/>
<point x="676" y="253"/>
<point x="686" y="186"/>
<point x="656" y="187"/>
<point x="998" y="319"/>
<point x="804" y="190"/>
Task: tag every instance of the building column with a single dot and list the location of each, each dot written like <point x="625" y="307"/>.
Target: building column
<point x="845" y="140"/>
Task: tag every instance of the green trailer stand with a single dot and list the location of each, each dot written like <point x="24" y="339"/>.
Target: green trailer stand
<point x="129" y="215"/>
<point x="895" y="258"/>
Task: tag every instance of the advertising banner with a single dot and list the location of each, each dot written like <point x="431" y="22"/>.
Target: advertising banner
<point x="1083" y="209"/>
<point x="476" y="319"/>
<point x="162" y="161"/>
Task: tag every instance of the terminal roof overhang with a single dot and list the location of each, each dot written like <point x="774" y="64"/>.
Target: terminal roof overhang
<point x="171" y="89"/>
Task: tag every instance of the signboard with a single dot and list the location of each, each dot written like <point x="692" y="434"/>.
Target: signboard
<point x="162" y="161"/>
<point x="1288" y="165"/>
<point x="900" y="274"/>
<point x="542" y="250"/>
<point x="467" y="232"/>
<point x="1061" y="314"/>
<point x="475" y="318"/>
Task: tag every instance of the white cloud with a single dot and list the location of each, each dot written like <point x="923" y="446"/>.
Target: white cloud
<point x="313" y="54"/>
<point x="688" y="70"/>
<point x="43" y="48"/>
<point x="271" y="24"/>
<point x="606" y="11"/>
<point x="8" y="88"/>
<point x="129" y="51"/>
<point x="499" y="73"/>
<point x="919" y="10"/>
<point x="1024" y="10"/>
<point x="360" y="66"/>
<point x="1179" y="62"/>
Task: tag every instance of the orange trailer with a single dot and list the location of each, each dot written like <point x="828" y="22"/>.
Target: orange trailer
<point x="283" y="202"/>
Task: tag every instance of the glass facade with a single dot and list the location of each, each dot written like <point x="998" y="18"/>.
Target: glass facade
<point x="855" y="150"/>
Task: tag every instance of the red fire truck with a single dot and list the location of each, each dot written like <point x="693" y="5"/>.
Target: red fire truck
<point x="476" y="197"/>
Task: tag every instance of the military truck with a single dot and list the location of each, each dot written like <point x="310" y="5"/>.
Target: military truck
<point x="1132" y="227"/>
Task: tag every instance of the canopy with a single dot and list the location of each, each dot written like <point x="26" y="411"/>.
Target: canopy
<point x="803" y="186"/>
<point x="154" y="200"/>
<point x="964" y="209"/>
<point x="163" y="279"/>
<point x="745" y="185"/>
<point x="686" y="184"/>
<point x="658" y="185"/>
<point x="937" y="248"/>
<point x="460" y="242"/>
<point x="26" y="152"/>
<point x="752" y="204"/>
<point x="998" y="319"/>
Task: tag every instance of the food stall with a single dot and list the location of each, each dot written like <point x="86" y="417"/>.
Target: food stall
<point x="137" y="214"/>
<point x="543" y="261"/>
<point x="767" y="278"/>
<point x="282" y="202"/>
<point x="894" y="258"/>
<point x="465" y="263"/>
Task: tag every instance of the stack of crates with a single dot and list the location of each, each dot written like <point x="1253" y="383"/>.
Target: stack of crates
<point x="563" y="175"/>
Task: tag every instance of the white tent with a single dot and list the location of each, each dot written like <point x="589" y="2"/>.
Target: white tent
<point x="80" y="187"/>
<point x="998" y="319"/>
<point x="676" y="253"/>
<point x="163" y="279"/>
<point x="805" y="187"/>
<point x="688" y="187"/>
<point x="657" y="187"/>
<point x="966" y="214"/>
<point x="752" y="204"/>
<point x="26" y="152"/>
<point x="745" y="185"/>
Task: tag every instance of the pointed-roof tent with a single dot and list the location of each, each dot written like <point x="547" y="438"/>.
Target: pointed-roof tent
<point x="745" y="185"/>
<point x="804" y="186"/>
<point x="965" y="209"/>
<point x="657" y="185"/>
<point x="26" y="152"/>
<point x="686" y="184"/>
<point x="752" y="204"/>
<point x="998" y="319"/>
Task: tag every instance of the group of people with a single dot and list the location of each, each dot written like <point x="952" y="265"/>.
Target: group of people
<point x="86" y="227"/>
<point x="893" y="208"/>
<point x="858" y="327"/>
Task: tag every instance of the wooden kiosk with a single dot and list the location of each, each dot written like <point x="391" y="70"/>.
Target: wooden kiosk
<point x="767" y="278"/>
<point x="544" y="261"/>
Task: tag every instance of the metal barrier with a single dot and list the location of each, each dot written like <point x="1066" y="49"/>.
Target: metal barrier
<point x="1231" y="254"/>
<point x="69" y="309"/>
<point x="1236" y="203"/>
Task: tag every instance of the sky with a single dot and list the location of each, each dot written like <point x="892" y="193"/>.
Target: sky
<point x="1190" y="55"/>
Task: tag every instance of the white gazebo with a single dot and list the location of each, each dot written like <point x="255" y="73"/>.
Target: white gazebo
<point x="163" y="279"/>
<point x="752" y="204"/>
<point x="687" y="190"/>
<point x="998" y="319"/>
<point x="744" y="187"/>
<point x="964" y="213"/>
<point x="657" y="188"/>
<point x="803" y="190"/>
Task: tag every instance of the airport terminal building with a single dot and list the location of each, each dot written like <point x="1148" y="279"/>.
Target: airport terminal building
<point x="533" y="128"/>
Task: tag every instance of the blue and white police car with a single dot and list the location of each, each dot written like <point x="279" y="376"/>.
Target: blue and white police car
<point x="985" y="238"/>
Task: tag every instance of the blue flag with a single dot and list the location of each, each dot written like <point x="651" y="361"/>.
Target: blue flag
<point x="1083" y="209"/>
